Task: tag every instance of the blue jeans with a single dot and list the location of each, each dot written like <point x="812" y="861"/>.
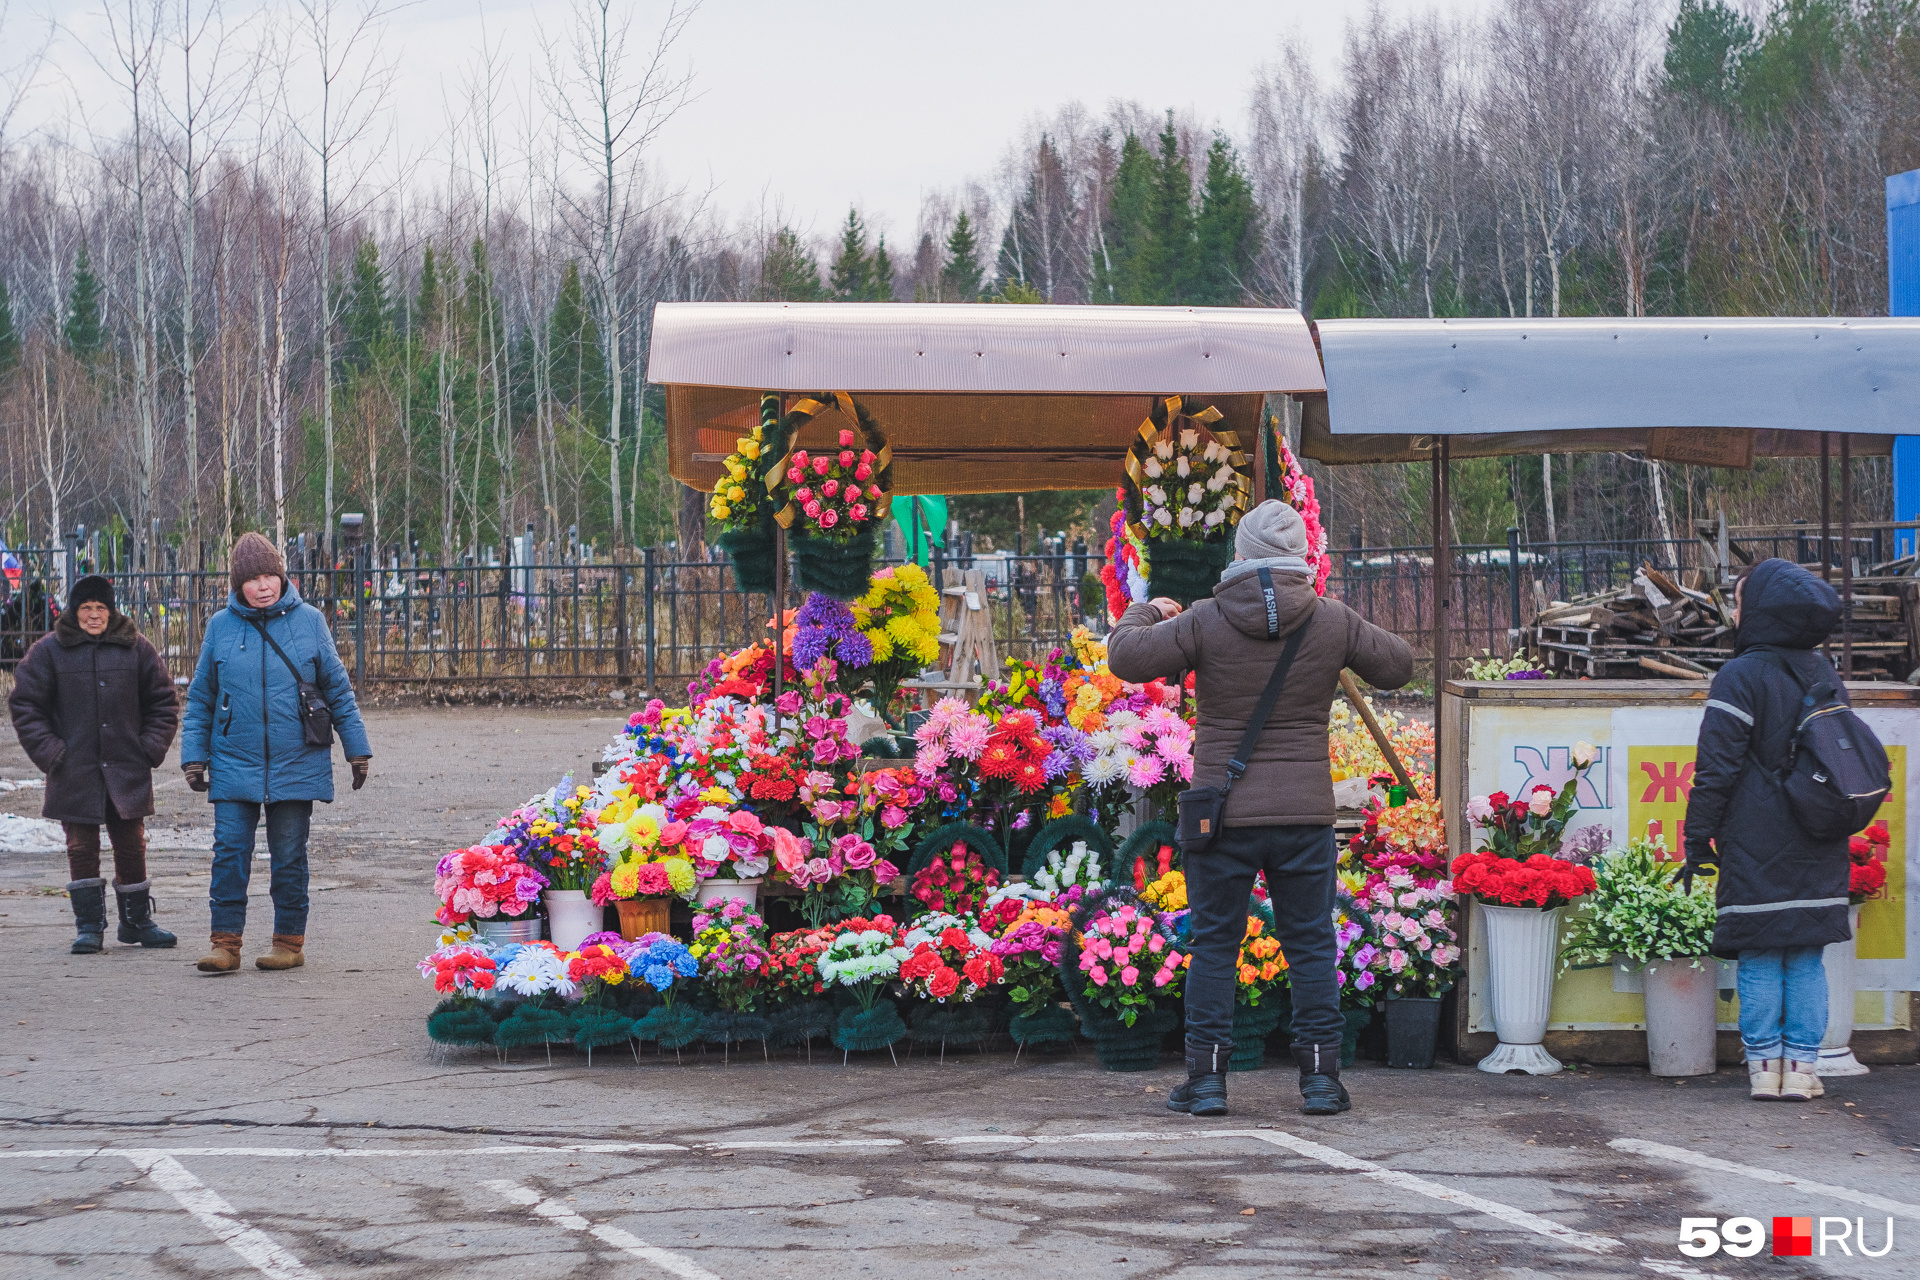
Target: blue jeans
<point x="234" y="823"/>
<point x="1783" y="1003"/>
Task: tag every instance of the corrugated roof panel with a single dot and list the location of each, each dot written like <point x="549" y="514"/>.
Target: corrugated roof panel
<point x="1460" y="377"/>
<point x="944" y="348"/>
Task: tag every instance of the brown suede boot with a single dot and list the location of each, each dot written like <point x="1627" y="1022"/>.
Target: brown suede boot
<point x="285" y="953"/>
<point x="224" y="956"/>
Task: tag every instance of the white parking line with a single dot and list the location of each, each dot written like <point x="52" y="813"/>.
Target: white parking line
<point x="1434" y="1190"/>
<point x="1680" y="1155"/>
<point x="219" y="1217"/>
<point x="557" y="1212"/>
<point x="338" y="1153"/>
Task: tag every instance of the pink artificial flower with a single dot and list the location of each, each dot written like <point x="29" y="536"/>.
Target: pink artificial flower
<point x="969" y="736"/>
<point x="787" y="703"/>
<point x="846" y="457"/>
<point x="789" y="850"/>
<point x="863" y="473"/>
<point x="826" y="812"/>
<point x="830" y="488"/>
<point x="873" y="492"/>
<point x="858" y="511"/>
<point x="885" y="872"/>
<point x="812" y="509"/>
<point x="828" y="518"/>
<point x="1129" y="976"/>
<point x="1145" y="771"/>
<point x="846" y="438"/>
<point x="892" y="816"/>
<point x="803" y="493"/>
<point x="820" y="870"/>
<point x="858" y="853"/>
<point x="1098" y="975"/>
<point x="820" y="466"/>
<point x="744" y="821"/>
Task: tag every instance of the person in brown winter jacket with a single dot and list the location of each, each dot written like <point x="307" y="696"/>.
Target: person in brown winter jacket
<point x="95" y="709"/>
<point x="1279" y="814"/>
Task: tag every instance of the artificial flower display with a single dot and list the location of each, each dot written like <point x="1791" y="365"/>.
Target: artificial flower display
<point x="739" y="499"/>
<point x="1127" y="963"/>
<point x="1191" y="488"/>
<point x="1389" y="841"/>
<point x="826" y="628"/>
<point x="1352" y="752"/>
<point x="1867" y="862"/>
<point x="485" y="881"/>
<point x="1029" y="947"/>
<point x="1295" y="488"/>
<point x="662" y="963"/>
<point x="945" y="957"/>
<point x="1520" y="827"/>
<point x="1260" y="968"/>
<point x="1166" y="893"/>
<point x="536" y="968"/>
<point x="1639" y="908"/>
<point x="463" y="969"/>
<point x="863" y="961"/>
<point x="552" y="833"/>
<point x="839" y="493"/>
<point x="1079" y="868"/>
<point x="734" y="962"/>
<point x="1536" y="881"/>
<point x="900" y="618"/>
<point x="1418" y="952"/>
<point x="956" y="882"/>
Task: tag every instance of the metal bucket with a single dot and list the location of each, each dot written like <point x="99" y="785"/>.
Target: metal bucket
<point x="502" y="933"/>
<point x="1680" y="1007"/>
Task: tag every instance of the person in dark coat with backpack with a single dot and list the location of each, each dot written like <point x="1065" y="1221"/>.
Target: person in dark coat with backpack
<point x="95" y="709"/>
<point x="245" y="745"/>
<point x="1781" y="893"/>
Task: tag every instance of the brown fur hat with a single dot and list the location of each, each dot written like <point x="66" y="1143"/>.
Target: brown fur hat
<point x="253" y="556"/>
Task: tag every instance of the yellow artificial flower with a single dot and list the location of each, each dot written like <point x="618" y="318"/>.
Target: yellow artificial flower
<point x="721" y="511"/>
<point x="680" y="875"/>
<point x="750" y="448"/>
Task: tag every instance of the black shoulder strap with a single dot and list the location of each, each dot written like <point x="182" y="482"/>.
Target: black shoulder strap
<point x="1268" y="697"/>
<point x="298" y="679"/>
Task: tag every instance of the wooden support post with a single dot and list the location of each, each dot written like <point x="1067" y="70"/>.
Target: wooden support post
<point x="1442" y="564"/>
<point x="1826" y="520"/>
<point x="1846" y="556"/>
<point x="1352" y="691"/>
<point x="779" y="610"/>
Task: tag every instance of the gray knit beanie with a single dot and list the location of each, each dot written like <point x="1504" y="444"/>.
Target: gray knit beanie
<point x="1271" y="529"/>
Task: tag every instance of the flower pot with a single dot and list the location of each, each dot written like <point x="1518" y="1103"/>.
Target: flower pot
<point x="1413" y="1030"/>
<point x="503" y="930"/>
<point x="1680" y="1029"/>
<point x="571" y="916"/>
<point x="716" y="891"/>
<point x="1836" y="1047"/>
<point x="640" y="916"/>
<point x="1522" y="943"/>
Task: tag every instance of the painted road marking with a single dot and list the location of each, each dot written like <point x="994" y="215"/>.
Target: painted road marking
<point x="219" y="1217"/>
<point x="1434" y="1190"/>
<point x="556" y="1212"/>
<point x="1680" y="1155"/>
<point x="335" y="1153"/>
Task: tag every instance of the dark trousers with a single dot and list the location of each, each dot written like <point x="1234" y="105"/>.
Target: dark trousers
<point x="129" y="837"/>
<point x="234" y="824"/>
<point x="1298" y="862"/>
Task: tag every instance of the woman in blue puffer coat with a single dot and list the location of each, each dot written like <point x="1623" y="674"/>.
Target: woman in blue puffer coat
<point x="244" y="744"/>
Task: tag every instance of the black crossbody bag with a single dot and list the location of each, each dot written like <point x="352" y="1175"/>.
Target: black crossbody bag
<point x="1203" y="809"/>
<point x="316" y="720"/>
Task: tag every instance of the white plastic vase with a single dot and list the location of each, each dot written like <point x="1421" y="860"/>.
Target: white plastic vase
<point x="571" y="917"/>
<point x="1522" y="944"/>
<point x="1836" y="1047"/>
<point x="1680" y="995"/>
<point x="717" y="891"/>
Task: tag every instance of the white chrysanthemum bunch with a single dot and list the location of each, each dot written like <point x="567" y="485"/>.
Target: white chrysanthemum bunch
<point x="1081" y="866"/>
<point x="854" y="958"/>
<point x="1190" y="487"/>
<point x="532" y="970"/>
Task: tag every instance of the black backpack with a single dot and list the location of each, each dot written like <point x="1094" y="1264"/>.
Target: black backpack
<point x="1837" y="772"/>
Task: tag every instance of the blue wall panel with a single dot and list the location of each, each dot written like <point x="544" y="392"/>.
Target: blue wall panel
<point x="1903" y="299"/>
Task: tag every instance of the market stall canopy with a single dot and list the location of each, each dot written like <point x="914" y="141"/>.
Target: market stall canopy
<point x="973" y="398"/>
<point x="1709" y="390"/>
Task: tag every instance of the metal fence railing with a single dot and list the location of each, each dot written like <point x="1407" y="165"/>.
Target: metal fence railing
<point x="653" y="621"/>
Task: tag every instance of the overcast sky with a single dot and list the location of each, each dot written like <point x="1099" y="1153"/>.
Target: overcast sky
<point x="807" y="107"/>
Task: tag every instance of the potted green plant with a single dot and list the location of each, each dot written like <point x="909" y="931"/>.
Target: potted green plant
<point x="1640" y="912"/>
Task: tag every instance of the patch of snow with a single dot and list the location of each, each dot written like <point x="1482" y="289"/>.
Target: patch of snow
<point x="21" y="784"/>
<point x="20" y="834"/>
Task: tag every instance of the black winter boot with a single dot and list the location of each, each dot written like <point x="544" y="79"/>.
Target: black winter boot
<point x="89" y="899"/>
<point x="136" y="916"/>
<point x="1320" y="1087"/>
<point x="1204" y="1092"/>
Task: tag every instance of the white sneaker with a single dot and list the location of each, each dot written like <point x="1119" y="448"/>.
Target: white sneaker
<point x="1763" y="1079"/>
<point x="1800" y="1084"/>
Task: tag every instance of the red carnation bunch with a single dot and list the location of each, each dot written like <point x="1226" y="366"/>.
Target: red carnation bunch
<point x="1867" y="854"/>
<point x="1017" y="753"/>
<point x="956" y="882"/>
<point x="1538" y="881"/>
<point x="950" y="963"/>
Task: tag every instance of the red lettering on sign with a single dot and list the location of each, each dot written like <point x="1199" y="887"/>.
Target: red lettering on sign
<point x="1674" y="782"/>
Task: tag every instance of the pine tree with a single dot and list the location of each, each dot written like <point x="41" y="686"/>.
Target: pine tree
<point x="850" y="277"/>
<point x="926" y="270"/>
<point x="1165" y="268"/>
<point x="1125" y="227"/>
<point x="82" y="331"/>
<point x="9" y="336"/>
<point x="427" y="306"/>
<point x="578" y="365"/>
<point x="1224" y="233"/>
<point x="788" y="273"/>
<point x="366" y="313"/>
<point x="1705" y="46"/>
<point x="961" y="276"/>
<point x="880" y="287"/>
